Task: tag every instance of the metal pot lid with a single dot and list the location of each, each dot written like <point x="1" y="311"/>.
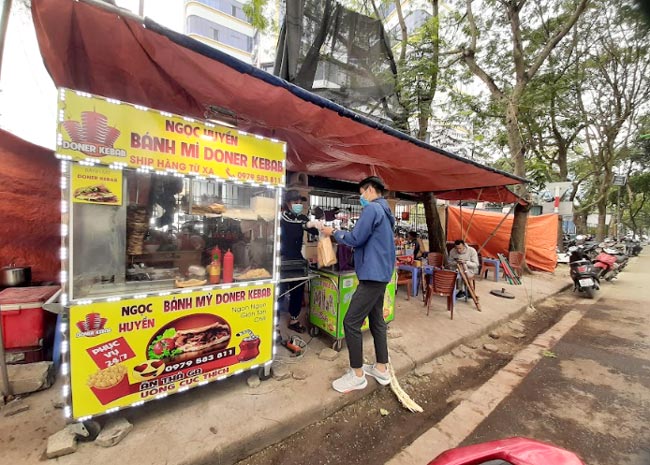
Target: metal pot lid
<point x="12" y="266"/>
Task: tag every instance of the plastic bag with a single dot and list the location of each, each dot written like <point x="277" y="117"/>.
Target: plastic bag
<point x="326" y="256"/>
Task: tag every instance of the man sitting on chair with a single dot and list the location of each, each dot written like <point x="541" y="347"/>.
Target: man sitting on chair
<point x="468" y="258"/>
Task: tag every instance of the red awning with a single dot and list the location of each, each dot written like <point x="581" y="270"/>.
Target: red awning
<point x="98" y="50"/>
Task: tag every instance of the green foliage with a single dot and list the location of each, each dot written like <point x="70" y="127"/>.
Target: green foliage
<point x="575" y="113"/>
<point x="254" y="10"/>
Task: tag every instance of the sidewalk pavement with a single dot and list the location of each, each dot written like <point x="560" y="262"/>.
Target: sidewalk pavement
<point x="227" y="420"/>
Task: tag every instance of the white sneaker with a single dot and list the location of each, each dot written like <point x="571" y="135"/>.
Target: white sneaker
<point x="349" y="382"/>
<point x="382" y="377"/>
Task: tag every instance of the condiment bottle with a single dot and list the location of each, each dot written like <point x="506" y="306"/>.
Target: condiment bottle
<point x="216" y="251"/>
<point x="214" y="272"/>
<point x="228" y="265"/>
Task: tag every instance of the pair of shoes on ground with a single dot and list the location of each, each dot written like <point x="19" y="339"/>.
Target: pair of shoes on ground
<point x="460" y="294"/>
<point x="351" y="382"/>
<point x="294" y="325"/>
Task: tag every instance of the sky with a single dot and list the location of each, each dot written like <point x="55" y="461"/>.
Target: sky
<point x="28" y="96"/>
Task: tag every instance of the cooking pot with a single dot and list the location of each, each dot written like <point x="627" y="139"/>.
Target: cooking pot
<point x="13" y="276"/>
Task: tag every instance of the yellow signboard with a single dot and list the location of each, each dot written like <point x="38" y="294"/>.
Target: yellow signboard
<point x="96" y="184"/>
<point x="131" y="351"/>
<point x="109" y="132"/>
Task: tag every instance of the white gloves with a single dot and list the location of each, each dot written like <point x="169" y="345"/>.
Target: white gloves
<point x="315" y="224"/>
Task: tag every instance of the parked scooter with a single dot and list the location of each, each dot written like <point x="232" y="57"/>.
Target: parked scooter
<point x="607" y="265"/>
<point x="618" y="251"/>
<point x="584" y="274"/>
<point x="634" y="248"/>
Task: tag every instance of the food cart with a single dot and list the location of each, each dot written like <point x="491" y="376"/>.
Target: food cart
<point x="329" y="300"/>
<point x="170" y="252"/>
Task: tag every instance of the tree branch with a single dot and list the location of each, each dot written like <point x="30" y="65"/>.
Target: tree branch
<point x="517" y="48"/>
<point x="546" y="51"/>
<point x="402" y="27"/>
<point x="469" y="55"/>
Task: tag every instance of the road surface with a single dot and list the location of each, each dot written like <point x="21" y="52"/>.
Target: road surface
<point x="591" y="394"/>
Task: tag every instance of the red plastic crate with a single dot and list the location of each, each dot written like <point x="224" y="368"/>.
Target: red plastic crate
<point x="23" y="315"/>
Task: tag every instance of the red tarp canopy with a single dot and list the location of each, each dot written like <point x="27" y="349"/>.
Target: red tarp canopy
<point x="541" y="238"/>
<point x="30" y="208"/>
<point x="104" y="52"/>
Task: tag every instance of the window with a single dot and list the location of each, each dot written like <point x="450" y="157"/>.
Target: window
<point x="230" y="7"/>
<point x="167" y="228"/>
<point x="203" y="27"/>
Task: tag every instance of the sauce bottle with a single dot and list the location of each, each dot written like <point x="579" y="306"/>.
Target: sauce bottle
<point x="214" y="272"/>
<point x="216" y="251"/>
<point x="228" y="265"/>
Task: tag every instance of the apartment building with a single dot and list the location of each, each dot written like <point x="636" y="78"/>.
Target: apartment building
<point x="223" y="25"/>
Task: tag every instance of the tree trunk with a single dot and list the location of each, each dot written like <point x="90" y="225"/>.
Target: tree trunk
<point x="517" y="151"/>
<point x="437" y="239"/>
<point x="560" y="234"/>
<point x="562" y="162"/>
<point x="4" y="22"/>
<point x="518" y="232"/>
<point x="580" y="220"/>
<point x="601" y="230"/>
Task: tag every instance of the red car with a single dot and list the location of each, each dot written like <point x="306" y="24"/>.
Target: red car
<point x="512" y="451"/>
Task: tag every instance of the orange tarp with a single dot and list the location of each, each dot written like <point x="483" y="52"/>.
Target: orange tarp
<point x="30" y="231"/>
<point x="541" y="236"/>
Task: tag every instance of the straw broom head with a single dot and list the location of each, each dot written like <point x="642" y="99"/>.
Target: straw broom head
<point x="401" y="395"/>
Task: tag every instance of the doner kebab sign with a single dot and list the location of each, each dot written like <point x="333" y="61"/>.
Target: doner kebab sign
<point x="111" y="132"/>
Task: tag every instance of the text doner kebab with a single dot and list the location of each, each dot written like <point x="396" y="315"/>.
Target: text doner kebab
<point x="164" y="145"/>
<point x="187" y="150"/>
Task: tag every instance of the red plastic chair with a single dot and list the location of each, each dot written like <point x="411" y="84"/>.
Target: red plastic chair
<point x="442" y="284"/>
<point x="517" y="260"/>
<point x="404" y="277"/>
<point x="436" y="260"/>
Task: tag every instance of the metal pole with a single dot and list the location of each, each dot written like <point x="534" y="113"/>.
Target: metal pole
<point x="460" y="210"/>
<point x="618" y="214"/>
<point x="4" y="21"/>
<point x="478" y="199"/>
<point x="3" y="366"/>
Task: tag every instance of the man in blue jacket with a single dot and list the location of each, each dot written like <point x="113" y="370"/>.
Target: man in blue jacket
<point x="374" y="262"/>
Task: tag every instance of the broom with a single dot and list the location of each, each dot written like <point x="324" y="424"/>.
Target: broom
<point x="401" y="395"/>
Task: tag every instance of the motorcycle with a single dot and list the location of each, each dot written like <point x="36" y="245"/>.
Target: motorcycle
<point x="607" y="265"/>
<point x="634" y="248"/>
<point x="584" y="274"/>
<point x="511" y="451"/>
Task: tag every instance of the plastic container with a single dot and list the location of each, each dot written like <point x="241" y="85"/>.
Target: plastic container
<point x="214" y="270"/>
<point x="23" y="317"/>
<point x="228" y="266"/>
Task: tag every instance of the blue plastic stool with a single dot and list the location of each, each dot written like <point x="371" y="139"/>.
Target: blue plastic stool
<point x="497" y="268"/>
